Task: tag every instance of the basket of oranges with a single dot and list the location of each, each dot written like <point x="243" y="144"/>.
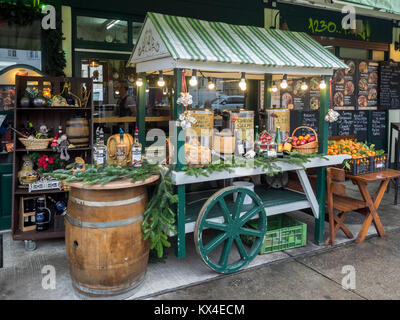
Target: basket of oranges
<point x="364" y="157"/>
<point x="305" y="144"/>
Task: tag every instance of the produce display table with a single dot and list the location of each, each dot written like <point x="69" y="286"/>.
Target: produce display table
<point x="371" y="213"/>
<point x="217" y="210"/>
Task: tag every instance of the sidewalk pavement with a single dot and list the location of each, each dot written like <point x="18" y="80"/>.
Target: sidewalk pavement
<point x="310" y="272"/>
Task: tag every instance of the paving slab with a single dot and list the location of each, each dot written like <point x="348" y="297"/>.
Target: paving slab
<point x="376" y="264"/>
<point x="283" y="281"/>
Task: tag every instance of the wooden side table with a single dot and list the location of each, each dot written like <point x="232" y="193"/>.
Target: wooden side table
<point x="371" y="212"/>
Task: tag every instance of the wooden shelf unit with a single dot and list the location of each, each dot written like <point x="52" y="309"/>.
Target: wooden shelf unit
<point x="52" y="117"/>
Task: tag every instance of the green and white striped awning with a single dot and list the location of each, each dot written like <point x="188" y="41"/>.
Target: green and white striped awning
<point x="187" y="39"/>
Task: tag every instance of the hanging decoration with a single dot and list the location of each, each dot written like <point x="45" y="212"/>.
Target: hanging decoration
<point x="185" y="100"/>
<point x="332" y="116"/>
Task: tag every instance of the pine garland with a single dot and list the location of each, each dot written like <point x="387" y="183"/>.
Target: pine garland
<point x="159" y="218"/>
<point x="268" y="164"/>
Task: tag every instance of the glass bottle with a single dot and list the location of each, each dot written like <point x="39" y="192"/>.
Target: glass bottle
<point x="100" y="149"/>
<point x="278" y="142"/>
<point x="122" y="150"/>
<point x="136" y="150"/>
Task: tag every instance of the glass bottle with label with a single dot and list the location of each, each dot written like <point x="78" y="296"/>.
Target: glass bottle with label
<point x="278" y="142"/>
<point x="100" y="149"/>
<point x="136" y="150"/>
<point x="122" y="150"/>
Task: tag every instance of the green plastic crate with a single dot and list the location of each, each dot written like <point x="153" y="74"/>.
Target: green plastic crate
<point x="283" y="233"/>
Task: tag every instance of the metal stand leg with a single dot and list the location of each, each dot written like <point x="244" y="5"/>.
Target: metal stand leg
<point x="396" y="190"/>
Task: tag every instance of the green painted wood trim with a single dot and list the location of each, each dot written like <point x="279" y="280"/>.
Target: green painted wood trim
<point x="267" y="92"/>
<point x="141" y="111"/>
<point x="6" y="168"/>
<point x="321" y="173"/>
<point x="179" y="143"/>
<point x="180" y="238"/>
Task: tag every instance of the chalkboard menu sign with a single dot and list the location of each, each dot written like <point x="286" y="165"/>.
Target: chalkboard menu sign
<point x="390" y="85"/>
<point x="294" y="98"/>
<point x="344" y="87"/>
<point x="345" y="123"/>
<point x="356" y="87"/>
<point x="378" y="129"/>
<point x="353" y="123"/>
<point x="367" y="97"/>
<point x="309" y="119"/>
<point x="360" y="125"/>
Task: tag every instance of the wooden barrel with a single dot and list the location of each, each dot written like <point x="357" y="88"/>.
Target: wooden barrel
<point x="106" y="252"/>
<point x="78" y="132"/>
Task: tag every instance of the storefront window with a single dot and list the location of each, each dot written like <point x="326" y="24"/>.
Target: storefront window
<point x="224" y="96"/>
<point x="136" y="27"/>
<point x="102" y="30"/>
<point x="20" y="45"/>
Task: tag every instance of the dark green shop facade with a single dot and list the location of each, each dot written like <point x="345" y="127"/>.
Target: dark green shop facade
<point x="122" y="21"/>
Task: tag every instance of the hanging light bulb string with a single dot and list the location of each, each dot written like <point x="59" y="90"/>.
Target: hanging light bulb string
<point x="242" y="83"/>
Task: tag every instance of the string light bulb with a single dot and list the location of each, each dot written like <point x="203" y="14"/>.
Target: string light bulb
<point x="139" y="82"/>
<point x="284" y="83"/>
<point x="193" y="80"/>
<point x="304" y="86"/>
<point x="274" y="88"/>
<point x="242" y="83"/>
<point x="211" y="84"/>
<point x="322" y="85"/>
<point x="160" y="82"/>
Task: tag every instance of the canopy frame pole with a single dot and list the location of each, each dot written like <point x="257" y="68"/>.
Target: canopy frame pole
<point x="179" y="144"/>
<point x="141" y="111"/>
<point x="322" y="148"/>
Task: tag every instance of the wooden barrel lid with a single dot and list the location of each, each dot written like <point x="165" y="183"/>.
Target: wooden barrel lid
<point x="117" y="184"/>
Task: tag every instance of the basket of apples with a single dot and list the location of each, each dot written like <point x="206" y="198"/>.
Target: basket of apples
<point x="305" y="144"/>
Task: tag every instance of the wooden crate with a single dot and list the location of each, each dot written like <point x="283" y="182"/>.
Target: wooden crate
<point x="23" y="214"/>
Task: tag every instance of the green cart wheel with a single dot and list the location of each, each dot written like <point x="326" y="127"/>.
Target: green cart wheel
<point x="227" y="232"/>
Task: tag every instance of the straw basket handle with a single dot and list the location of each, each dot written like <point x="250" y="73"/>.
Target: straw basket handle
<point x="305" y="127"/>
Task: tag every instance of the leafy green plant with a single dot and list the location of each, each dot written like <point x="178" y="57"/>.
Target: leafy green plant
<point x="159" y="218"/>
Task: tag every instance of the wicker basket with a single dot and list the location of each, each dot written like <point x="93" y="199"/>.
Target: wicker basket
<point x="35" y="144"/>
<point x="310" y="147"/>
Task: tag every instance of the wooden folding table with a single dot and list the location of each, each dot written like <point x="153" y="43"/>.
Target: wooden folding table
<point x="371" y="212"/>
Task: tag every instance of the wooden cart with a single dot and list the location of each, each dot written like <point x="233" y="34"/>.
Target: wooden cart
<point x="172" y="44"/>
<point x="217" y="210"/>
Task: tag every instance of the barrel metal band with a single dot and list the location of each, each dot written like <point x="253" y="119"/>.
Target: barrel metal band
<point x="102" y="225"/>
<point x="106" y="203"/>
<point x="110" y="292"/>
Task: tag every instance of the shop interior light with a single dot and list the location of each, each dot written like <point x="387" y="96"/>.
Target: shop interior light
<point x="112" y="24"/>
<point x="211" y="84"/>
<point x="284" y="84"/>
<point x="304" y="86"/>
<point x="322" y="85"/>
<point x="193" y="80"/>
<point x="160" y="82"/>
<point x="274" y="88"/>
<point x="139" y="82"/>
<point x="93" y="63"/>
<point x="147" y="86"/>
<point x="242" y="83"/>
